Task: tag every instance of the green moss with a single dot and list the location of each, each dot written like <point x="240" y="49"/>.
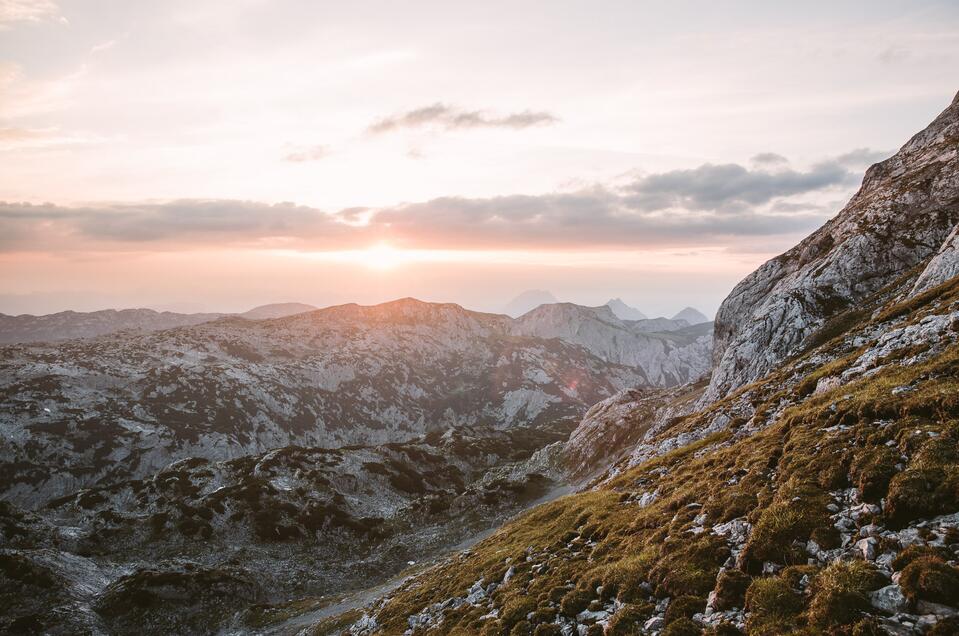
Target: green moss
<point x="723" y="629"/>
<point x="798" y="509"/>
<point x="575" y="601"/>
<point x="628" y="620"/>
<point x="913" y="552"/>
<point x="688" y="565"/>
<point x="945" y="627"/>
<point x="731" y="586"/>
<point x="872" y="470"/>
<point x="682" y="627"/>
<point x="773" y="607"/>
<point x="684" y="607"/>
<point x="930" y="579"/>
<point x="839" y="593"/>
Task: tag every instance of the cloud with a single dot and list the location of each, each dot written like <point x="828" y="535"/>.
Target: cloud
<point x="308" y="153"/>
<point x="21" y="134"/>
<point x="710" y="205"/>
<point x="103" y="46"/>
<point x="862" y="157"/>
<point x="768" y="159"/>
<point x="14" y="11"/>
<point x="892" y="54"/>
<point x="173" y="224"/>
<point x="730" y="187"/>
<point x="452" y="118"/>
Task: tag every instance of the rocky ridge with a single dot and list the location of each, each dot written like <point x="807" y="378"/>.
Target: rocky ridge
<point x="906" y="208"/>
<point x="67" y="325"/>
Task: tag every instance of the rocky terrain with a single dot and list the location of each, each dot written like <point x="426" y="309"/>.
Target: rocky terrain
<point x="67" y="325"/>
<point x="260" y="528"/>
<point x="906" y="208"/>
<point x="668" y="352"/>
<point x="91" y="412"/>
<point x="810" y="486"/>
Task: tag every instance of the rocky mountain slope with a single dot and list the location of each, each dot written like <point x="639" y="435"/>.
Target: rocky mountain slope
<point x="674" y="355"/>
<point x="87" y="412"/>
<point x="623" y="311"/>
<point x="68" y="325"/>
<point x="820" y="494"/>
<point x="186" y="548"/>
<point x="902" y="214"/>
<point x="277" y="310"/>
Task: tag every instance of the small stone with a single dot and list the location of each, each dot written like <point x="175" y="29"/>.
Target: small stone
<point x="654" y="623"/>
<point x="869" y="530"/>
<point x="937" y="609"/>
<point x="889" y="599"/>
<point x="867" y="547"/>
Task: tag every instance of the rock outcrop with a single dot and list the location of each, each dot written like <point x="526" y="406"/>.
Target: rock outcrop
<point x="902" y="214"/>
<point x="943" y="266"/>
<point x="670" y="356"/>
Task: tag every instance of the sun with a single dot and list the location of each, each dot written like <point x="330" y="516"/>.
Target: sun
<point x="381" y="257"/>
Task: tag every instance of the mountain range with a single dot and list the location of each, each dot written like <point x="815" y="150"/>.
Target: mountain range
<point x="791" y="469"/>
<point x="67" y="325"/>
<point x="86" y="412"/>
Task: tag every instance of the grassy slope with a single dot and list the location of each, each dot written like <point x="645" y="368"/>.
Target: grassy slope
<point x="776" y="470"/>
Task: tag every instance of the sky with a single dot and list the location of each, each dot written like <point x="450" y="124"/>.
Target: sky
<point x="216" y="155"/>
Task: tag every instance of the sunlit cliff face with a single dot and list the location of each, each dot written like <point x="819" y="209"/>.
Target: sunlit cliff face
<point x="187" y="154"/>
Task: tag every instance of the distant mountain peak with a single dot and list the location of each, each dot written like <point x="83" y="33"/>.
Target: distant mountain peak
<point x="624" y="311"/>
<point x="691" y="315"/>
<point x="527" y="301"/>
<point x="277" y="310"/>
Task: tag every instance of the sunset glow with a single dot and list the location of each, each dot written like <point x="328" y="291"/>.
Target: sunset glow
<point x="346" y="138"/>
